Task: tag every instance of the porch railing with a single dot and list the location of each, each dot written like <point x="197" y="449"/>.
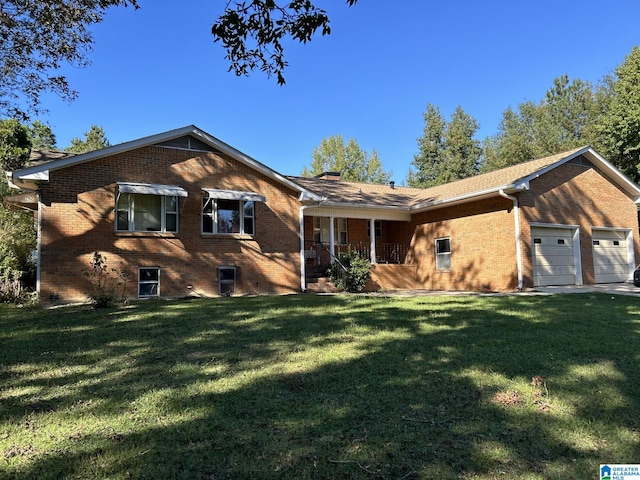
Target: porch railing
<point x="319" y="254"/>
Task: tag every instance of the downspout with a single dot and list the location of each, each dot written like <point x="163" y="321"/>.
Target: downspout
<point x="38" y="245"/>
<point x="516" y="221"/>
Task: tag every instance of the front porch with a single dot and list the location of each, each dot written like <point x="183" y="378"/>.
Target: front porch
<point x="385" y="243"/>
<point x="319" y="254"/>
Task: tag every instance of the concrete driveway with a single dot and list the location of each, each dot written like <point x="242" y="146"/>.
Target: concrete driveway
<point x="626" y="288"/>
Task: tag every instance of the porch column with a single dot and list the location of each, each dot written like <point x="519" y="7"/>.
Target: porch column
<point x="372" y="237"/>
<point x="332" y="243"/>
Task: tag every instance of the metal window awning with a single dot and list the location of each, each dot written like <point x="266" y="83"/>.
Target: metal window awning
<point x="234" y="195"/>
<point x="152" y="189"/>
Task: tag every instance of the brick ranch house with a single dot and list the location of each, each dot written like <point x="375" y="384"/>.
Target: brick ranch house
<point x="186" y="214"/>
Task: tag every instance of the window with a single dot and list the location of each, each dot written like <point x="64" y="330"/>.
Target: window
<point x="377" y="226"/>
<point x="221" y="215"/>
<point x="147" y="207"/>
<point x="226" y="281"/>
<point x="443" y="254"/>
<point x="148" y="282"/>
<point x="321" y="230"/>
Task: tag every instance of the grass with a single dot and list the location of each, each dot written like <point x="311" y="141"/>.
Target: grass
<point x="323" y="387"/>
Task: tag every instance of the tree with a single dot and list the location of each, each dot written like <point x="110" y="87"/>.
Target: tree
<point x="448" y="151"/>
<point x="513" y="144"/>
<point x="17" y="235"/>
<point x="620" y="125"/>
<point x="17" y="241"/>
<point x="430" y="146"/>
<point x="15" y="145"/>
<point x="564" y="119"/>
<point x="252" y="32"/>
<point x="95" y="139"/>
<point x="353" y="163"/>
<point x="36" y="39"/>
<point x="42" y="137"/>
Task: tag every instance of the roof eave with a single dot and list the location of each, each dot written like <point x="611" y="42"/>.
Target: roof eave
<point x="469" y="197"/>
<point x="27" y="173"/>
<point x="253" y="163"/>
<point x="622" y="180"/>
<point x="616" y="175"/>
<point x="369" y="206"/>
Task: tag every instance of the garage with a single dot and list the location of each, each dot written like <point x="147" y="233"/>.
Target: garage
<point x="554" y="256"/>
<point x="612" y="259"/>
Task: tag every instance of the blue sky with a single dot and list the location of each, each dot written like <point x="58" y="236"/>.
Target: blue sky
<point x="157" y="68"/>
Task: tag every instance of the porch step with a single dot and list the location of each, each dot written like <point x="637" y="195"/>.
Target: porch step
<point x="321" y="285"/>
<point x="316" y="271"/>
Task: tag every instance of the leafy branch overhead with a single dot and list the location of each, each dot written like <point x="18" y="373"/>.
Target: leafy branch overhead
<point x="36" y="39"/>
<point x="253" y="33"/>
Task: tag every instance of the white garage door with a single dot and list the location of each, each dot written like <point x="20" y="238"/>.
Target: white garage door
<point x="610" y="256"/>
<point x="553" y="258"/>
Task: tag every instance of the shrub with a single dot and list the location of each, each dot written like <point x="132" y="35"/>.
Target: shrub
<point x="105" y="284"/>
<point x="17" y="243"/>
<point x="350" y="272"/>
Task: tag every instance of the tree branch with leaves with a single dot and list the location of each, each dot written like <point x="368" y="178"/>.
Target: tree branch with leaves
<point x="36" y="38"/>
<point x="253" y="33"/>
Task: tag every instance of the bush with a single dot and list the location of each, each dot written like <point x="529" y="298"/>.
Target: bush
<point x="104" y="285"/>
<point x="350" y="272"/>
<point x="17" y="266"/>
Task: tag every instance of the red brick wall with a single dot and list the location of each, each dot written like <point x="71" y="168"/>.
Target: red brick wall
<point x="575" y="195"/>
<point x="78" y="219"/>
<point x="483" y="253"/>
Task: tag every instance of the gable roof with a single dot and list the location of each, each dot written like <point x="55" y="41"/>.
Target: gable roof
<point x="28" y="178"/>
<point x="517" y="178"/>
<point x="338" y="194"/>
<point x="414" y="200"/>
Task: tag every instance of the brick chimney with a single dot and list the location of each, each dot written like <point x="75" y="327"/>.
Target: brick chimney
<point x="329" y="176"/>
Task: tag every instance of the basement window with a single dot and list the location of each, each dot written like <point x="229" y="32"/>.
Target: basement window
<point x="443" y="254"/>
<point x="148" y="282"/>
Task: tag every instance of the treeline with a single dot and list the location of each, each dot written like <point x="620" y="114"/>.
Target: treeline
<point x="572" y="113"/>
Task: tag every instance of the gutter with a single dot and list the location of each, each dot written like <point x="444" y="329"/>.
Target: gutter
<point x="431" y="205"/>
<point x="516" y="221"/>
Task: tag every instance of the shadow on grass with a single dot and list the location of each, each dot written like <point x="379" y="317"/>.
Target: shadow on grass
<point x="323" y="387"/>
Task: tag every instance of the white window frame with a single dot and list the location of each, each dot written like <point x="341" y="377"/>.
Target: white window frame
<point x="129" y="208"/>
<point x="153" y="282"/>
<point x="245" y="228"/>
<point x="443" y="258"/>
<point x="321" y="230"/>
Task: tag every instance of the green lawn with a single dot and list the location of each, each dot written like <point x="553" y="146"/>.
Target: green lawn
<point x="323" y="387"/>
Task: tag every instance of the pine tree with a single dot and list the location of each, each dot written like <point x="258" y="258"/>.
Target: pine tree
<point x="448" y="151"/>
<point x="348" y="159"/>
<point x="95" y="139"/>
